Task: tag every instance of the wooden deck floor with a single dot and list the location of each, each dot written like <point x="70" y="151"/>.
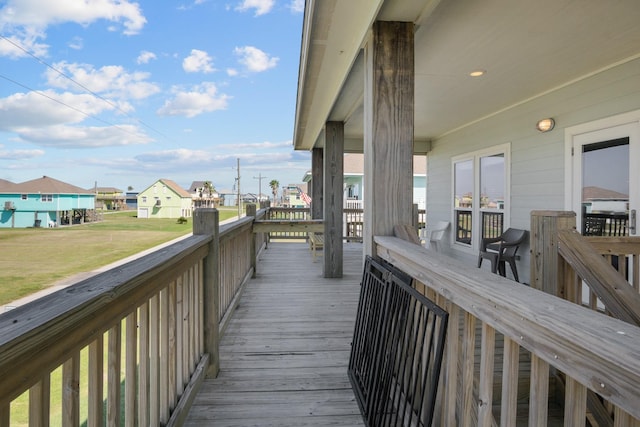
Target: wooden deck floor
<point x="285" y="353"/>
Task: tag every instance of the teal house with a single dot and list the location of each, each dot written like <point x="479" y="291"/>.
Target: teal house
<point x="43" y="202"/>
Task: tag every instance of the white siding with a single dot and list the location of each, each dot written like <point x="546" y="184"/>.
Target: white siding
<point x="537" y="159"/>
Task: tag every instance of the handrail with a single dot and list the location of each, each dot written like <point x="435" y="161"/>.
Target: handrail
<point x="44" y="324"/>
<point x="613" y="290"/>
<point x="159" y="317"/>
<point x="594" y="351"/>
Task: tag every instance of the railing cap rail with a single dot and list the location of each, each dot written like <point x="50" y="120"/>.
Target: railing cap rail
<point x="600" y="352"/>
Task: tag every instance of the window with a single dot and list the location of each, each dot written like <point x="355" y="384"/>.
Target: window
<point x="480" y="195"/>
<point x="23" y="197"/>
<point x="144" y="199"/>
<point x="46" y="197"/>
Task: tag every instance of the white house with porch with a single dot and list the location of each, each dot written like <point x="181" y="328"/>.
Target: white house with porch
<point x="517" y="105"/>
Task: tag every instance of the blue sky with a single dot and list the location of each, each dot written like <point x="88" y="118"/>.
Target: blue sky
<point x="124" y="92"/>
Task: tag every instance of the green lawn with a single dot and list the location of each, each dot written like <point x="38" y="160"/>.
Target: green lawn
<point x="34" y="258"/>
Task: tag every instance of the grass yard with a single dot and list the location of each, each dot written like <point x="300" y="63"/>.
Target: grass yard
<point x="33" y="258"/>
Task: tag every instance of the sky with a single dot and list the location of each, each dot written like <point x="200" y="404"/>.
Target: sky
<point x="121" y="93"/>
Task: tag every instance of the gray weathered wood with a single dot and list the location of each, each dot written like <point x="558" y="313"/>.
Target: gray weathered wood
<point x="273" y="225"/>
<point x="333" y="198"/>
<point x="547" y="271"/>
<point x="284" y="354"/>
<point x="388" y="129"/>
<point x="206" y="222"/>
<point x="317" y="183"/>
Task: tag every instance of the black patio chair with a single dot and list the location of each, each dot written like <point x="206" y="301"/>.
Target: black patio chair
<point x="502" y="249"/>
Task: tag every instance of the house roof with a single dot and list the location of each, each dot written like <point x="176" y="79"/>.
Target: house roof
<point x="173" y="186"/>
<point x="6" y="186"/>
<point x="46" y="185"/>
<point x="105" y="190"/>
<point x="597" y="193"/>
<point x="195" y="185"/>
<point x="527" y="48"/>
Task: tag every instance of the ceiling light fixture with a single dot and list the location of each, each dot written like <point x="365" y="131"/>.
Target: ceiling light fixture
<point x="545" y="125"/>
<point x="477" y="73"/>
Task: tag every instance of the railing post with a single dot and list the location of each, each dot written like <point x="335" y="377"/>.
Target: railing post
<point x="251" y="211"/>
<point x="547" y="267"/>
<point x="207" y="221"/>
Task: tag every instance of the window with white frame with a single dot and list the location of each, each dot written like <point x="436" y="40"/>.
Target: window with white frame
<point x="480" y="195"/>
<point x="46" y="197"/>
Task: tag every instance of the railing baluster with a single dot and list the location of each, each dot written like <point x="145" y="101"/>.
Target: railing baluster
<point x="180" y="336"/>
<point x="163" y="325"/>
<point x="485" y="390"/>
<point x="113" y="374"/>
<point x="154" y="361"/>
<point x="172" y="330"/>
<point x="130" y="390"/>
<point x="575" y="401"/>
<point x="39" y="403"/>
<point x="143" y="360"/>
<point x="71" y="391"/>
<point x="539" y="392"/>
<point x="96" y="366"/>
<point x="468" y="358"/>
<point x="509" y="383"/>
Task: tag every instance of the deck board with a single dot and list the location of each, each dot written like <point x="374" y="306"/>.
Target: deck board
<point x="284" y="356"/>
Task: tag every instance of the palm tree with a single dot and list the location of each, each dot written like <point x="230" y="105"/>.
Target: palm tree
<point x="209" y="189"/>
<point x="274" y="184"/>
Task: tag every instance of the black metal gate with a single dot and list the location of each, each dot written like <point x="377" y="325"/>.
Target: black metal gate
<point x="397" y="349"/>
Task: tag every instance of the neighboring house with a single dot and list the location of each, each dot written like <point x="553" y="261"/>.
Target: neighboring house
<point x="164" y="199"/>
<point x="292" y="197"/>
<point x="131" y="199"/>
<point x="354" y="180"/>
<point x="44" y="202"/>
<point x="201" y="196"/>
<point x="109" y="198"/>
<point x="595" y="200"/>
<point x="517" y="105"/>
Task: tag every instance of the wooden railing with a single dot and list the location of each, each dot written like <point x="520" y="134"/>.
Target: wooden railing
<point x="495" y="323"/>
<point x="155" y="320"/>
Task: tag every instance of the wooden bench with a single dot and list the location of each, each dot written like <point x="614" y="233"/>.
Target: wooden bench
<point x="316" y="241"/>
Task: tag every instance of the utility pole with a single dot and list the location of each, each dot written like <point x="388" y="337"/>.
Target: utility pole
<point x="239" y="200"/>
<point x="259" y="178"/>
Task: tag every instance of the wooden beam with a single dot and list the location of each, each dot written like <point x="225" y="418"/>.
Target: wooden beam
<point x="388" y="130"/>
<point x="333" y="198"/>
<point x="267" y="226"/>
<point x="317" y="173"/>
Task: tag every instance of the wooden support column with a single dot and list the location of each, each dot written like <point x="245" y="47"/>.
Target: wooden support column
<point x="388" y="130"/>
<point x="317" y="171"/>
<point x="207" y="221"/>
<point x="333" y="195"/>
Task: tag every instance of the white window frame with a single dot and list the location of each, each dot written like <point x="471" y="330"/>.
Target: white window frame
<point x="476" y="211"/>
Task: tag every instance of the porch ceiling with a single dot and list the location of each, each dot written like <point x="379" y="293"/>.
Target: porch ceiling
<point x="526" y="48"/>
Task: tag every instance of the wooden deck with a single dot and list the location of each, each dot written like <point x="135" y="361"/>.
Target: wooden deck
<point x="285" y="353"/>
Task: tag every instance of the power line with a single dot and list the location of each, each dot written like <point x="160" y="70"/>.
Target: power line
<point x="60" y="72"/>
<point x="67" y="105"/>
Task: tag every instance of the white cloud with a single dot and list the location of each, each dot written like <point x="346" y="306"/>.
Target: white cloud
<point x="76" y="43"/>
<point x="43" y="13"/>
<point x="297" y="6"/>
<point x="20" y="154"/>
<point x="200" y="99"/>
<point x="232" y="72"/>
<point x="254" y="59"/>
<point x="261" y="6"/>
<point x="110" y="80"/>
<point x="145" y="56"/>
<point x="21" y="43"/>
<point x="198" y="61"/>
<point x="85" y="137"/>
<point x="38" y="109"/>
